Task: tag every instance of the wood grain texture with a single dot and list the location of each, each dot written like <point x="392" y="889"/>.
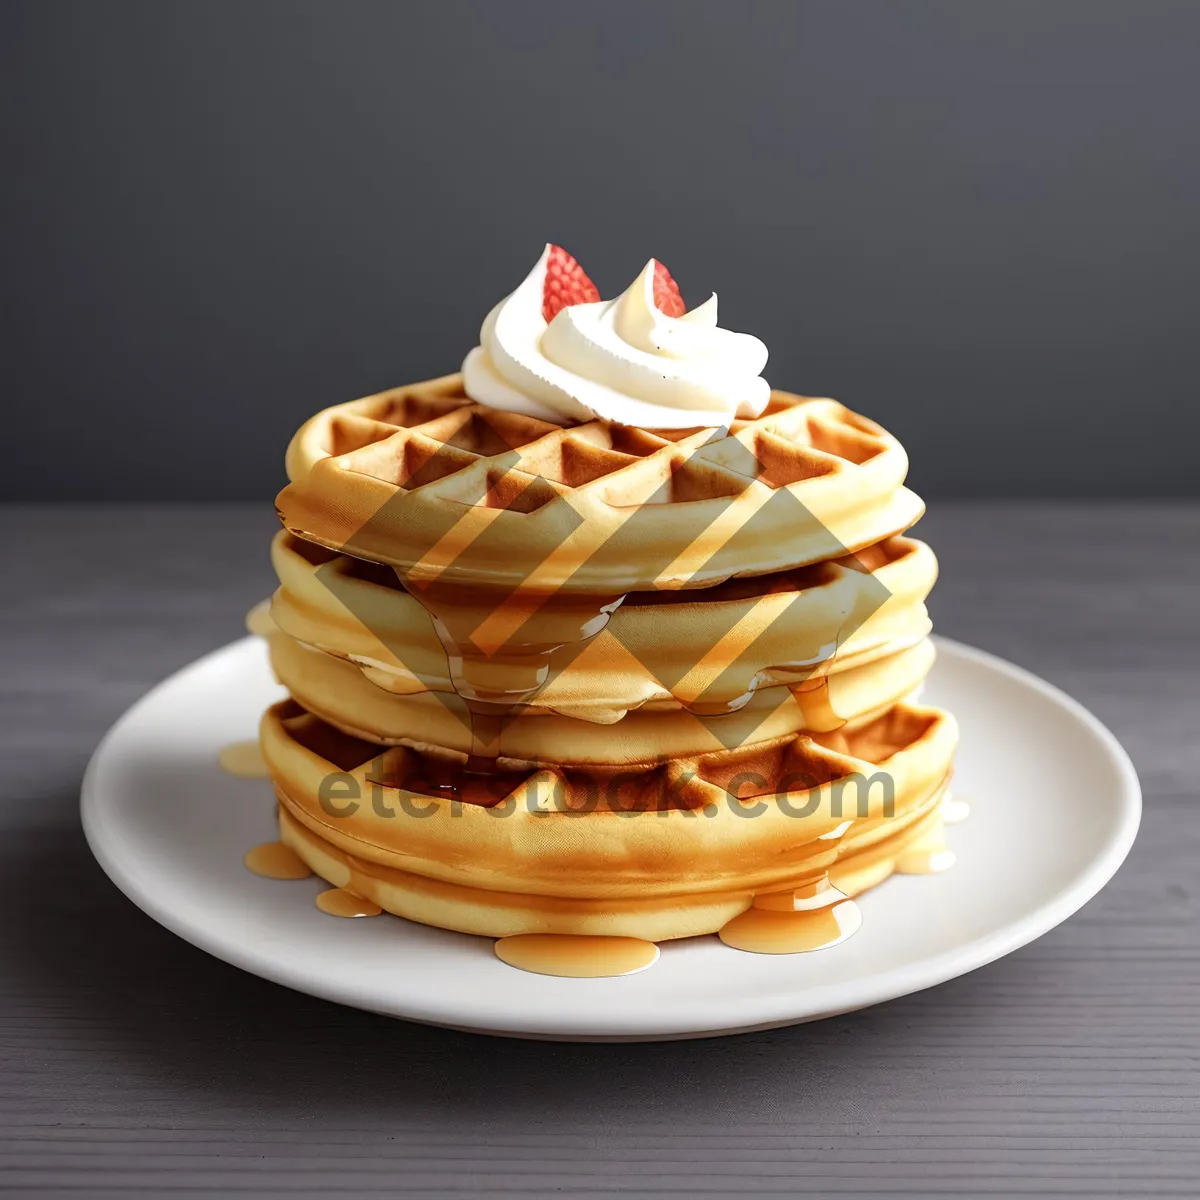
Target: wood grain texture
<point x="133" y="1064"/>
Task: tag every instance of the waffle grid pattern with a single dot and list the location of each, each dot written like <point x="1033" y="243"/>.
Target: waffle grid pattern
<point x="424" y="435"/>
<point x="431" y="446"/>
<point x="787" y="769"/>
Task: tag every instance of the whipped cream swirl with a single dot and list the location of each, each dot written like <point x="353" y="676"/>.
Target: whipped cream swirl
<point x="623" y="360"/>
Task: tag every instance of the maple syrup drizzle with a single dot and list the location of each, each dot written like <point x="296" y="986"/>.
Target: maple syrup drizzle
<point x="243" y="760"/>
<point x="274" y="860"/>
<point x="768" y="927"/>
<point x="487" y="724"/>
<point x="817" y="709"/>
<point x="576" y="956"/>
<point x="928" y="855"/>
<point x="499" y="649"/>
<point x="339" y="902"/>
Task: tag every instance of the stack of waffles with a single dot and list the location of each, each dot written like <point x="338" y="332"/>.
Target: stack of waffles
<point x="597" y="679"/>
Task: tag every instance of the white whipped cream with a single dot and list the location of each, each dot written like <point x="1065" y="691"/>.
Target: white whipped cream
<point x="622" y="360"/>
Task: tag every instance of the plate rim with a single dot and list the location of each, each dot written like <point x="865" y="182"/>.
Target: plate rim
<point x="816" y="1003"/>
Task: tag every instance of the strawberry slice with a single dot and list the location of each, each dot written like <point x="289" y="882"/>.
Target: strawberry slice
<point x="566" y="284"/>
<point x="666" y="292"/>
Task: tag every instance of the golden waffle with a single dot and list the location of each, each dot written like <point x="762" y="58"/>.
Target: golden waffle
<point x="357" y="610"/>
<point x="669" y="851"/>
<point x="425" y="480"/>
<point x="341" y="694"/>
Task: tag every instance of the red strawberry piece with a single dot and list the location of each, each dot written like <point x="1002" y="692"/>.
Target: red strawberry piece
<point x="666" y="292"/>
<point x="566" y="284"/>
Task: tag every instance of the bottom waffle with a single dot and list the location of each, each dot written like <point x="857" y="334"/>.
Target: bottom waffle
<point x="659" y="853"/>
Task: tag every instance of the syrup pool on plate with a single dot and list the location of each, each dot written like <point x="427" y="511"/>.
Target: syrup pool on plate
<point x="243" y="760"/>
<point x="576" y="956"/>
<point x="274" y="860"/>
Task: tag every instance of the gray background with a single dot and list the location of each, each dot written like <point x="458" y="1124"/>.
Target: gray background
<point x="973" y="221"/>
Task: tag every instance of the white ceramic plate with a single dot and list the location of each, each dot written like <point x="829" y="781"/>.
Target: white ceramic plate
<point x="1054" y="801"/>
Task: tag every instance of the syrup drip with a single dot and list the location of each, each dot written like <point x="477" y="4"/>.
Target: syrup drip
<point x="338" y="902"/>
<point x="819" y="916"/>
<point x="929" y="855"/>
<point x="500" y="647"/>
<point x="819" y="893"/>
<point x="574" y="956"/>
<point x="487" y="724"/>
<point x="244" y="760"/>
<point x="274" y="860"/>
<point x="855" y="877"/>
<point x="818" y="712"/>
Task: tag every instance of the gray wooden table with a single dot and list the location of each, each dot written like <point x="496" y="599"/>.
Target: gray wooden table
<point x="135" y="1064"/>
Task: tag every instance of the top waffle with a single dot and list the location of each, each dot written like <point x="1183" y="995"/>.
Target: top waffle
<point x="439" y="487"/>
